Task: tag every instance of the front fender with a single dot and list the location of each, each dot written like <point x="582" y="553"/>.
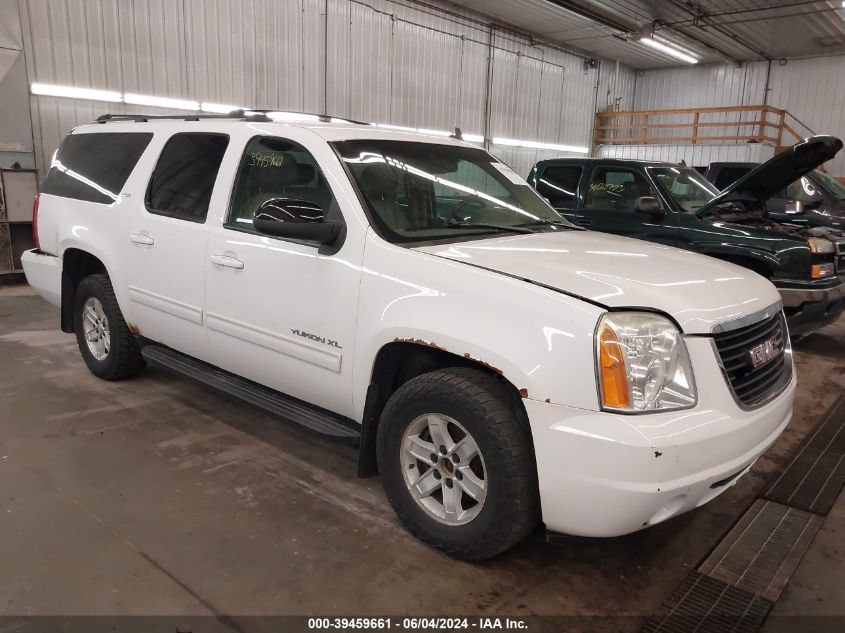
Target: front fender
<point x="733" y="252"/>
<point x="538" y="339"/>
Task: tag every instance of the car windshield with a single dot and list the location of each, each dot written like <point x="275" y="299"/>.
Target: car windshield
<point x="689" y="189"/>
<point x="432" y="191"/>
<point x="833" y="187"/>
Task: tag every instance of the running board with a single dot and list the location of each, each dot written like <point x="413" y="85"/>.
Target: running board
<point x="313" y="418"/>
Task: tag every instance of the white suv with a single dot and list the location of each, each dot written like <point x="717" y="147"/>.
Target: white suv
<point x="498" y="366"/>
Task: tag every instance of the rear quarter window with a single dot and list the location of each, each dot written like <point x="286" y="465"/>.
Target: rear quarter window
<point x="94" y="167"/>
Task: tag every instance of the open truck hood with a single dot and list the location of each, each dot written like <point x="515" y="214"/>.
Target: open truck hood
<point x="764" y="181"/>
<point x="618" y="272"/>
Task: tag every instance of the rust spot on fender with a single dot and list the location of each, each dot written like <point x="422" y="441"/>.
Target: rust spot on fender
<point x="657" y="454"/>
<point x="495" y="370"/>
<point x="419" y="341"/>
<point x="548" y="400"/>
<point x="523" y="392"/>
<point x="134" y="329"/>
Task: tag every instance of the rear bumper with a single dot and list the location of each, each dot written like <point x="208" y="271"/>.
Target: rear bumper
<point x="602" y="474"/>
<point x="44" y="273"/>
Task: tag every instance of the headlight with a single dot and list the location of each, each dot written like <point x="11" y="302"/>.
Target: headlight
<point x="818" y="271"/>
<point x="820" y="245"/>
<point x="643" y="364"/>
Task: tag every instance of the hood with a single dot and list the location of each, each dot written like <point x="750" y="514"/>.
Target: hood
<point x="618" y="272"/>
<point x="775" y="174"/>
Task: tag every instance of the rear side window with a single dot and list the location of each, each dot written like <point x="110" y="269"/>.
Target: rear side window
<point x="185" y="174"/>
<point x="617" y="189"/>
<point x="94" y="167"/>
<point x="559" y="185"/>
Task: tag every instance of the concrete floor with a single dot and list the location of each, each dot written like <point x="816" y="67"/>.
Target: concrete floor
<point x="159" y="496"/>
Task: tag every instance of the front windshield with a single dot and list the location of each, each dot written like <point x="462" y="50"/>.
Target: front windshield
<point x="689" y="189"/>
<point x="833" y="187"/>
<point x="431" y="191"/>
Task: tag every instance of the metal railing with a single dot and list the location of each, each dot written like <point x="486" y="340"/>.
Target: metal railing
<point x="736" y="124"/>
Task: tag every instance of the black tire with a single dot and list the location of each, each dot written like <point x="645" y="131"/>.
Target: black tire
<point x="124" y="356"/>
<point x="485" y="407"/>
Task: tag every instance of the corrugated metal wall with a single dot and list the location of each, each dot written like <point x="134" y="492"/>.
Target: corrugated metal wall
<point x="387" y="61"/>
<point x="700" y="87"/>
<point x="812" y="90"/>
<point x="692" y="155"/>
<point x="619" y="96"/>
<point x="15" y="127"/>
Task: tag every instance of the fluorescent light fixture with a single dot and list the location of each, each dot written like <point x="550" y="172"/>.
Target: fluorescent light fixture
<point x="669" y="50"/>
<point x="76" y="93"/>
<point x="292" y="116"/>
<point x="473" y="138"/>
<point x="161" y="102"/>
<point x="219" y="108"/>
<point x="512" y="142"/>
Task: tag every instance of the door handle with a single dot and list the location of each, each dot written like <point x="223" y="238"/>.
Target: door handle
<point x="226" y="261"/>
<point x="584" y="223"/>
<point x="142" y="238"/>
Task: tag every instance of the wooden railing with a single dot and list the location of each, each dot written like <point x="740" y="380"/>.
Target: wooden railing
<point x="737" y="124"/>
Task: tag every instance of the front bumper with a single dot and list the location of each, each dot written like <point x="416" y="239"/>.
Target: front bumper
<point x="603" y="474"/>
<point x="807" y="309"/>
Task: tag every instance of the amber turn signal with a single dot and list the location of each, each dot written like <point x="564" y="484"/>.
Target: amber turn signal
<point x="614" y="379"/>
<point x="822" y="270"/>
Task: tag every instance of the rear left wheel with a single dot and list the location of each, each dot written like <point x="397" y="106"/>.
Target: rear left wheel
<point x="108" y="348"/>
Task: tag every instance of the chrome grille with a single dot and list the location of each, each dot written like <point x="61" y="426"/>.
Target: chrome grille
<point x="755" y="359"/>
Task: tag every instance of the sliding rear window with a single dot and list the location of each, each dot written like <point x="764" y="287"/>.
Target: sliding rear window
<point x="94" y="167"/>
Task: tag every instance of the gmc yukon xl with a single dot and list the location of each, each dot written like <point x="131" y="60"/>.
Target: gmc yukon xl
<point x="496" y="365"/>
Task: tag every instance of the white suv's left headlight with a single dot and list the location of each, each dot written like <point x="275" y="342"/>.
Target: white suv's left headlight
<point x="642" y="364"/>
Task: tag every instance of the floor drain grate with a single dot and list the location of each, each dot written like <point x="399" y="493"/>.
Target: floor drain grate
<point x="813" y="477"/>
<point x="762" y="550"/>
<point x="706" y="605"/>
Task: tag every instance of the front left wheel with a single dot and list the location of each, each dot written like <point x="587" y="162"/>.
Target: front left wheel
<point x="457" y="463"/>
<point x="108" y="348"/>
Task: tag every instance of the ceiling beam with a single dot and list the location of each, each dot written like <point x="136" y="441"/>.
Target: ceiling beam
<point x="631" y="30"/>
<point x="705" y="19"/>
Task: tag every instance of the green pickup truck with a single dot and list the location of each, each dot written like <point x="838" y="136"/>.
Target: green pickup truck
<point x="677" y="206"/>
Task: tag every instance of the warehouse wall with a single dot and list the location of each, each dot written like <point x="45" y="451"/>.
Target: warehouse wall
<point x="692" y="155"/>
<point x="810" y="89"/>
<point x="15" y="127"/>
<point x="387" y="61"/>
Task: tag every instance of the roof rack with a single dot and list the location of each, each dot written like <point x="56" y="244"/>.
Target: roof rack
<point x="143" y="118"/>
<point x="252" y="115"/>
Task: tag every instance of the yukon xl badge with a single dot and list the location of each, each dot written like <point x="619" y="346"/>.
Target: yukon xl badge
<point x="317" y="339"/>
<point x="764" y="352"/>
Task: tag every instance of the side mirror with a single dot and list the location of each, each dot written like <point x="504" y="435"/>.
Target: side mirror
<point x="794" y="207"/>
<point x="295" y="219"/>
<point x="649" y="206"/>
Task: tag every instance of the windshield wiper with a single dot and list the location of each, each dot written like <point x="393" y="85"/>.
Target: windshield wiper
<point x="453" y="224"/>
<point x="544" y="222"/>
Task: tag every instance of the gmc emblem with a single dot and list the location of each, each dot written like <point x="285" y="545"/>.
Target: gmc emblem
<point x="764" y="352"/>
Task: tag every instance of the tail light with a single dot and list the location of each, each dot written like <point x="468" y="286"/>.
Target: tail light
<point x="35" y="239"/>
